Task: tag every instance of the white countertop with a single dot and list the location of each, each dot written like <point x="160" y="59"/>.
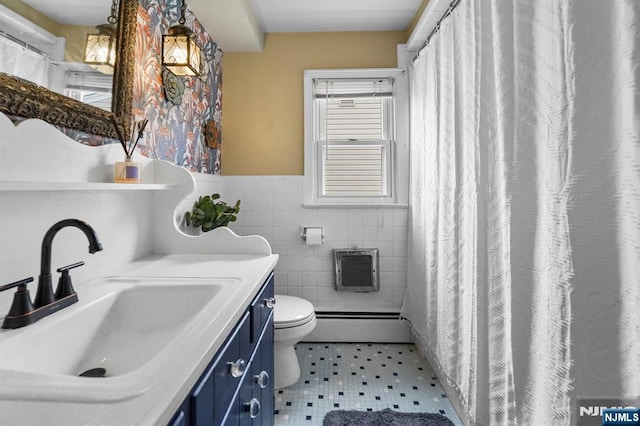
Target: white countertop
<point x="182" y="366"/>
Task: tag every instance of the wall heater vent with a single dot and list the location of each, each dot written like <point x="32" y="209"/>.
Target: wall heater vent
<point x="356" y="269"/>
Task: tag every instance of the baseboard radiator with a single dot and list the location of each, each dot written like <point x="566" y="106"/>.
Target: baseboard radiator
<point x="360" y="327"/>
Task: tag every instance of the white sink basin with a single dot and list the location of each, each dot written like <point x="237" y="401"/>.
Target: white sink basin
<point x="121" y="324"/>
<point x="139" y="322"/>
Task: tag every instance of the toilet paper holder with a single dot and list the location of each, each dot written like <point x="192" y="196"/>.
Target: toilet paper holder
<point x="303" y="235"/>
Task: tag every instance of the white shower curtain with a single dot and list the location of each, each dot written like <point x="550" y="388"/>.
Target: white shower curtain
<point x="21" y="62"/>
<point x="524" y="255"/>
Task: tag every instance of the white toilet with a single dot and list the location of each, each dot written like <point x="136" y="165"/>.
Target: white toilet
<point x="294" y="318"/>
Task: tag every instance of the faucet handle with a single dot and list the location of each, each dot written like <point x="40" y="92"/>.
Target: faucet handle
<point x="21" y="301"/>
<point x="72" y="266"/>
<point x="21" y="284"/>
<point x="65" y="288"/>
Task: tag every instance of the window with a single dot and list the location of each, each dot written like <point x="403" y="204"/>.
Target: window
<point x="355" y="137"/>
<point x="93" y="88"/>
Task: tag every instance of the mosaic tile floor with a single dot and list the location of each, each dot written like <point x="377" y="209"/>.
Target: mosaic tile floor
<point x="360" y="376"/>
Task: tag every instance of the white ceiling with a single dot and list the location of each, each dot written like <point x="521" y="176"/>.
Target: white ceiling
<point x="334" y="15"/>
<point x="239" y="25"/>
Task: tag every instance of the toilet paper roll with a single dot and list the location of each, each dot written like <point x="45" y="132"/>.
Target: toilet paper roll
<point x="314" y="236"/>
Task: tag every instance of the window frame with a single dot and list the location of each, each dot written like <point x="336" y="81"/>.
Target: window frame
<point x="398" y="147"/>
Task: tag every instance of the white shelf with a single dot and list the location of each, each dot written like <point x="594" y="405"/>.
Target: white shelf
<point x="81" y="186"/>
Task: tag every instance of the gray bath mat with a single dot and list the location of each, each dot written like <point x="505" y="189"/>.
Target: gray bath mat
<point x="386" y="417"/>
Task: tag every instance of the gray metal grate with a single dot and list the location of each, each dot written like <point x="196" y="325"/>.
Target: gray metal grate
<point x="356" y="270"/>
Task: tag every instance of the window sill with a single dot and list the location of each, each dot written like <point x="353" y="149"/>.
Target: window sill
<point x="354" y="205"/>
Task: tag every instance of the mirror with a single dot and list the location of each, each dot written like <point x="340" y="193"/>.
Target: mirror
<point x="22" y="98"/>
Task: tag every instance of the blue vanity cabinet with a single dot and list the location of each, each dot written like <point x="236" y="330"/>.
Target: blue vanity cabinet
<point x="254" y="405"/>
<point x="236" y="388"/>
<point x="262" y="375"/>
<point x="229" y="368"/>
<point x="255" y="402"/>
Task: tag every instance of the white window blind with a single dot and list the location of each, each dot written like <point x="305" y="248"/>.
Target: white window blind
<point x="358" y="118"/>
<point x="89" y="81"/>
<point x="93" y="88"/>
<point x="354" y="170"/>
<point x="354" y="128"/>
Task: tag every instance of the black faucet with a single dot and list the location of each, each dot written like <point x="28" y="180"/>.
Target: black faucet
<point x="45" y="296"/>
<point x="22" y="311"/>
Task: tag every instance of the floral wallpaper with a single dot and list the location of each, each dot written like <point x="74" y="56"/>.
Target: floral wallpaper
<point x="176" y="132"/>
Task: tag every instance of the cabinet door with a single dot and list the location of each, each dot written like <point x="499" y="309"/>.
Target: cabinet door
<point x="229" y="369"/>
<point x="262" y="375"/>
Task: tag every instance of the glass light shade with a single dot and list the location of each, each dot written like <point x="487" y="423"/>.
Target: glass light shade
<point x="180" y="52"/>
<point x="100" y="52"/>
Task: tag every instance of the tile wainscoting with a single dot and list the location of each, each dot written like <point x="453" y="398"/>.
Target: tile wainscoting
<point x="272" y="207"/>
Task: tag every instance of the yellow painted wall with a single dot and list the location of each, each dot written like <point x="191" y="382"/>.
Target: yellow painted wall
<point x="75" y="45"/>
<point x="262" y="102"/>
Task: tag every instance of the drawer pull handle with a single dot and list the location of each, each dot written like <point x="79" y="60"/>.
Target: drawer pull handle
<point x="237" y="368"/>
<point x="270" y="302"/>
<point x="253" y="407"/>
<point x="262" y="379"/>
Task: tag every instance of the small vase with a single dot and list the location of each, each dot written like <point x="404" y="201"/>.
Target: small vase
<point x="127" y="171"/>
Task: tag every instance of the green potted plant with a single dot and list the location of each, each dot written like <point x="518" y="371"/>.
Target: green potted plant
<point x="208" y="213"/>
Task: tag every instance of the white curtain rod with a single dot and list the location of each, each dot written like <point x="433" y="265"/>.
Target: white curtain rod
<point x="23" y="43"/>
<point x="436" y="28"/>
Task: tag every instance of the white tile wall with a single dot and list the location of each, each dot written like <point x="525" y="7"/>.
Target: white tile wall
<point x="272" y="207"/>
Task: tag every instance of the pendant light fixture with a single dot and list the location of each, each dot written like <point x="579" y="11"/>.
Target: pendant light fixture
<point x="100" y="51"/>
<point x="180" y="52"/>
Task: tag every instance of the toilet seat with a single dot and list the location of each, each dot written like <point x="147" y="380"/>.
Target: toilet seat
<point x="290" y="311"/>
